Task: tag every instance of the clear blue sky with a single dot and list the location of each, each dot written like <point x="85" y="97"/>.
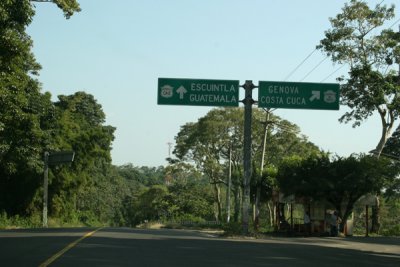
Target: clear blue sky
<point x="116" y="50"/>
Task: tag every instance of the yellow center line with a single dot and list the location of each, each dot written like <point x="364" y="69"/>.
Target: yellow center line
<point x="71" y="245"/>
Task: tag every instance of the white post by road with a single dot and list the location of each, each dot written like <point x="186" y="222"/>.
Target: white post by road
<point x="45" y="187"/>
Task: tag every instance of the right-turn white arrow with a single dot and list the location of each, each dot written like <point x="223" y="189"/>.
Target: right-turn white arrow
<point x="315" y="95"/>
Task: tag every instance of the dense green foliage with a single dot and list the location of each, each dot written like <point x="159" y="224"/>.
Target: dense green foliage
<point x="25" y="113"/>
<point x="356" y="39"/>
<point x="372" y="86"/>
<point x="178" y="202"/>
<point x="88" y="191"/>
<point x="69" y="7"/>
<point x="218" y="136"/>
<point x="392" y="151"/>
<point x="91" y="191"/>
<point x="339" y="182"/>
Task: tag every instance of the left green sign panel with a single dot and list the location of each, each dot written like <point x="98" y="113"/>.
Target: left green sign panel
<point x="198" y="92"/>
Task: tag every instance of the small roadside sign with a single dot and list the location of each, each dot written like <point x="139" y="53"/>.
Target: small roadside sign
<point x="61" y="157"/>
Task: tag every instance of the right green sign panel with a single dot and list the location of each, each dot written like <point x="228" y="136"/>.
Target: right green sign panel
<point x="298" y="95"/>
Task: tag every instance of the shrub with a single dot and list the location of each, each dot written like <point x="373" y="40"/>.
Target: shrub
<point x="232" y="228"/>
<point x="394" y="230"/>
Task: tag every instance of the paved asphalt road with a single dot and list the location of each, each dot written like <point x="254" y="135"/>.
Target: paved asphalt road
<point x="135" y="247"/>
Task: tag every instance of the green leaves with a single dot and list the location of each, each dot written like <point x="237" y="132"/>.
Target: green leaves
<point x="79" y="127"/>
<point x="24" y="110"/>
<point x="15" y="14"/>
<point x="341" y="181"/>
<point x="69" y="7"/>
<point x="355" y="39"/>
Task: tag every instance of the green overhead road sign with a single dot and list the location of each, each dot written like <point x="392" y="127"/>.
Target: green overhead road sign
<point x="298" y="95"/>
<point x="195" y="92"/>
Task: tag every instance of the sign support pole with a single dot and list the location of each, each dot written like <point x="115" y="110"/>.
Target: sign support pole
<point x="45" y="187"/>
<point x="52" y="159"/>
<point x="248" y="102"/>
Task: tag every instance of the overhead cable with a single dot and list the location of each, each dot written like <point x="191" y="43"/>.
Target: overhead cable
<point x="311" y="71"/>
<point x="327" y="77"/>
<point x="397" y="21"/>
<point x="298" y="66"/>
<point x="309" y="55"/>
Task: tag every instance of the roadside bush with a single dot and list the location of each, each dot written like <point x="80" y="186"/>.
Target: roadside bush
<point x="6" y="222"/>
<point x="232" y="228"/>
<point x="394" y="230"/>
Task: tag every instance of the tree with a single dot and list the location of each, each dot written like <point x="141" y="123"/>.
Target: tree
<point x="69" y="7"/>
<point x="79" y="128"/>
<point x="280" y="139"/>
<point x="102" y="201"/>
<point x="142" y="176"/>
<point x="181" y="172"/>
<point x="192" y="200"/>
<point x="26" y="115"/>
<point x="392" y="151"/>
<point x="392" y="146"/>
<point x="353" y="177"/>
<point x="370" y="88"/>
<point x="204" y="143"/>
<point x="150" y="204"/>
<point x="340" y="182"/>
<point x="207" y="143"/>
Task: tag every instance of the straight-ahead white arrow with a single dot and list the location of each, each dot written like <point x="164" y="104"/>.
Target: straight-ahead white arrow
<point x="181" y="91"/>
<point x="315" y="95"/>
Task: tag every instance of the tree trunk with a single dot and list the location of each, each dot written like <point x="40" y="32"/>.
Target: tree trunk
<point x="257" y="209"/>
<point x="237" y="204"/>
<point x="387" y="126"/>
<point x="258" y="192"/>
<point x="228" y="204"/>
<point x="272" y="213"/>
<point x="375" y="216"/>
<point x="217" y="196"/>
<point x="386" y="131"/>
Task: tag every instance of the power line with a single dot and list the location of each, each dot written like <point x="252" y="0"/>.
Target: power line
<point x="397" y="21"/>
<point x="327" y="77"/>
<point x="309" y="55"/>
<point x="314" y="68"/>
<point x="298" y="66"/>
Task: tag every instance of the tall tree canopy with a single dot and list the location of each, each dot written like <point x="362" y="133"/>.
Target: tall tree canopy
<point x="31" y="124"/>
<point x="208" y="141"/>
<point x="27" y="116"/>
<point x="25" y="113"/>
<point x="372" y="86"/>
<point x="79" y="128"/>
